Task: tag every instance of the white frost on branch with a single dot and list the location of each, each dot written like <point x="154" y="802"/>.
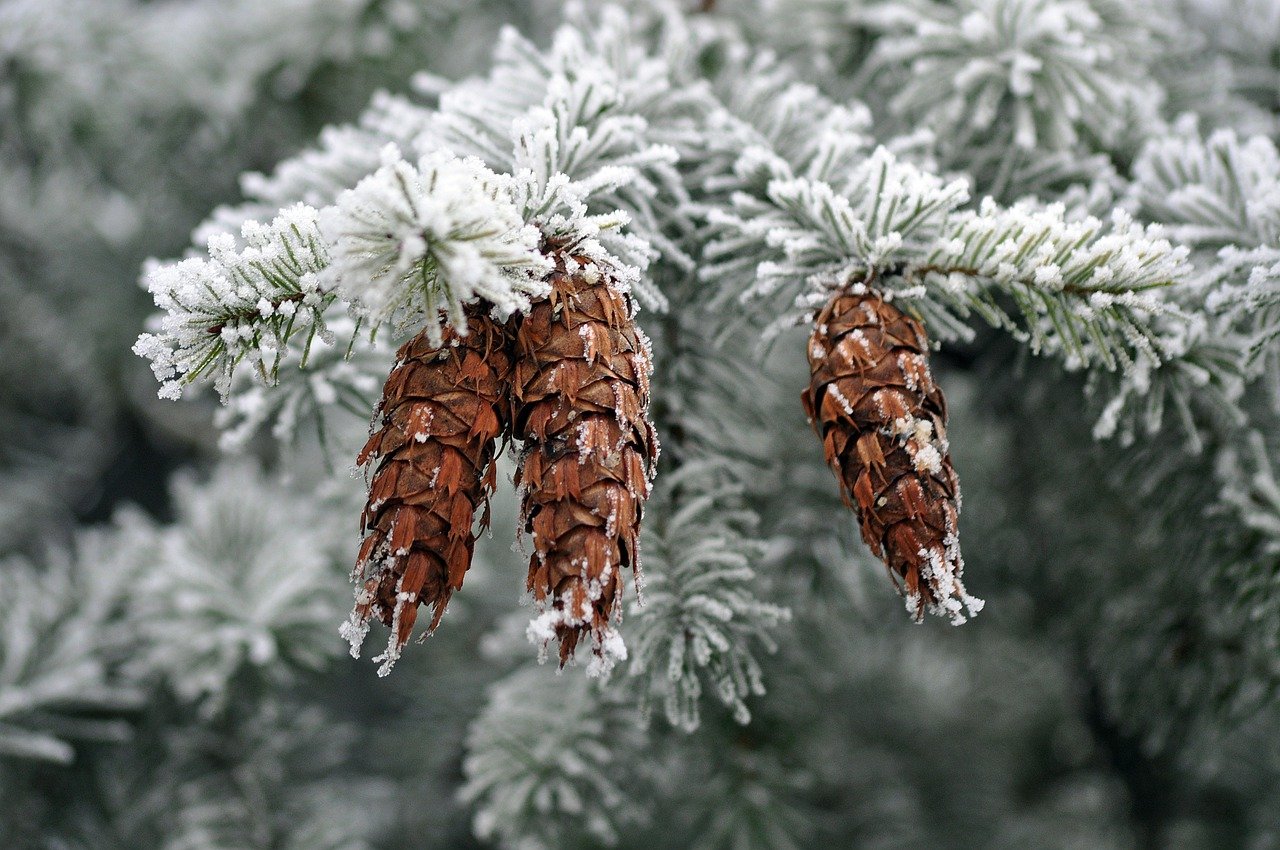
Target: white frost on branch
<point x="245" y="302"/>
<point x="1086" y="288"/>
<point x="704" y="624"/>
<point x="890" y="213"/>
<point x="1211" y="192"/>
<point x="599" y="109"/>
<point x="545" y="764"/>
<point x="246" y="582"/>
<point x="574" y="181"/>
<point x="413" y="242"/>
<point x="1221" y="194"/>
<point x="339" y="386"/>
<point x="987" y="74"/>
<point x="66" y="628"/>
<point x="1081" y="288"/>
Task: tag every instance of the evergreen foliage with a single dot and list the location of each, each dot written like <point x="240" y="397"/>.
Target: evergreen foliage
<point x="1080" y="199"/>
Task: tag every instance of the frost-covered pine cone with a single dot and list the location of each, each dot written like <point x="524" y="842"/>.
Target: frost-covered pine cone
<point x="442" y="410"/>
<point x="882" y="421"/>
<point x="581" y="390"/>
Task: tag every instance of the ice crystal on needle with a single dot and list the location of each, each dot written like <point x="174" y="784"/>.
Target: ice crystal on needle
<point x="1034" y="73"/>
<point x="1086" y="289"/>
<point x="417" y="241"/>
<point x="242" y="303"/>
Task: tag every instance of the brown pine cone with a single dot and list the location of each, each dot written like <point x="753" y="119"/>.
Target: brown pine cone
<point x="581" y="389"/>
<point x="882" y="421"/>
<point x="442" y="410"/>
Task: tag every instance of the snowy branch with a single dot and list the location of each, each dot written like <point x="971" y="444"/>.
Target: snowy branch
<point x="240" y="304"/>
<point x="419" y="242"/>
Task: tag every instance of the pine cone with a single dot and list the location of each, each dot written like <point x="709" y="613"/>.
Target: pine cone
<point x="882" y="421"/>
<point x="442" y="410"/>
<point x="581" y="390"/>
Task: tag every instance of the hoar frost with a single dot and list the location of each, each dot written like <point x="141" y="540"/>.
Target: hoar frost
<point x="418" y="241"/>
<point x="245" y="302"/>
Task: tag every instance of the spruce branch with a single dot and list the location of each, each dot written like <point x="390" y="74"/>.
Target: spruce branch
<point x="1221" y="194"/>
<point x="245" y="582"/>
<point x="993" y="78"/>
<point x="600" y="116"/>
<point x="278" y="773"/>
<point x="62" y="643"/>
<point x="545" y="764"/>
<point x="338" y="386"/>
<point x="242" y="303"/>
<point x="418" y="242"/>
<point x="408" y="244"/>
<point x="703" y="618"/>
<point x="1083" y="289"/>
<point x="414" y="243"/>
<point x="1211" y="192"/>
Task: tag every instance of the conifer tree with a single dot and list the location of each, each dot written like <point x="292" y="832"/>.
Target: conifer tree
<point x="574" y="276"/>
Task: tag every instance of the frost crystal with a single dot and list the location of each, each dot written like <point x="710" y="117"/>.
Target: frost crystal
<point x="1034" y="73"/>
<point x="231" y="307"/>
<point x="415" y="242"/>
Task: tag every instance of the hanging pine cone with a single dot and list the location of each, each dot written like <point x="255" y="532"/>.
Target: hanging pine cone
<point x="581" y="390"/>
<point x="442" y="410"/>
<point x="882" y="421"/>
